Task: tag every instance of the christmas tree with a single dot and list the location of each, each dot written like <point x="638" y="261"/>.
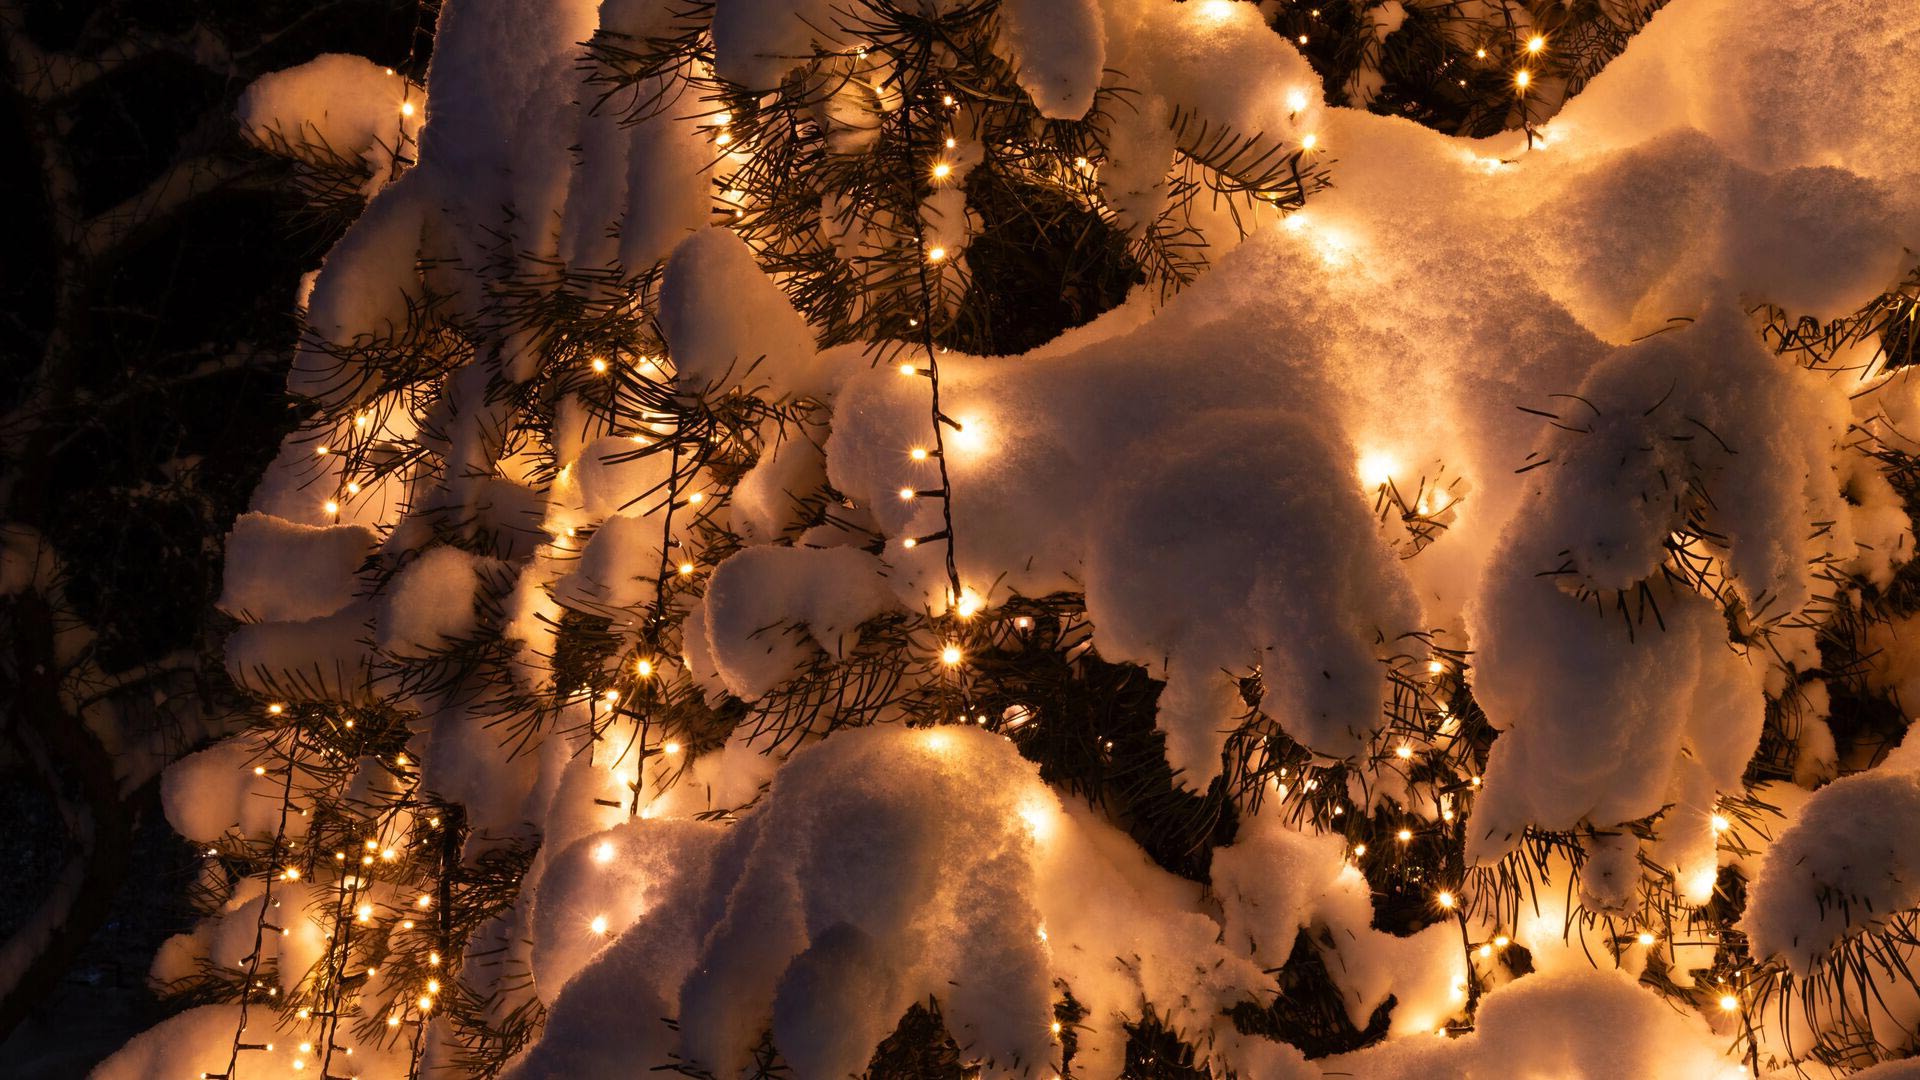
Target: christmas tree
<point x="1110" y="537"/>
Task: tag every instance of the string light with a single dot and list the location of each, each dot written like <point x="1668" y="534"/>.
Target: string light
<point x="918" y="453"/>
<point x="951" y="656"/>
<point x="406" y="108"/>
<point x="1522" y="78"/>
<point x="686" y="569"/>
<point x="1535" y="44"/>
<point x="598" y="925"/>
<point x="935" y="254"/>
<point x="643" y="668"/>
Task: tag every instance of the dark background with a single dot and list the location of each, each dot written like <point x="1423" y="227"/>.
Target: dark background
<point x="143" y="337"/>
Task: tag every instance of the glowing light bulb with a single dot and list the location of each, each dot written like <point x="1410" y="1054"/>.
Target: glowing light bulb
<point x="722" y="139"/>
<point x="947" y="100"/>
<point x="1729" y="1003"/>
<point x="1309" y="141"/>
<point x="1296" y="100"/>
<point x="1480" y="54"/>
<point x="906" y="494"/>
<point x="323" y="451"/>
<point x="1055" y="1027"/>
<point x="951" y="144"/>
<point x="951" y="656"/>
<point x="1377" y="469"/>
<point x="353" y="488"/>
<point x="276" y="709"/>
<point x="1359" y="850"/>
<point x="909" y="543"/>
<point x="670" y="747"/>
<point x="406" y="108"/>
<point x="1720" y="823"/>
<point x="1522" y="77"/>
<point x="599" y="365"/>
<point x="599" y="924"/>
<point x="364" y="912"/>
<point x="425" y="1003"/>
<point x="969" y="604"/>
<point x="259" y="770"/>
<point x="908" y="369"/>
<point x="935" y="254"/>
<point x="1485" y="951"/>
<point x="603" y="851"/>
<point x="331" y="507"/>
<point x="1644" y="938"/>
<point x="1444" y="899"/>
<point x="918" y="453"/>
<point x="1536" y="43"/>
<point x="1404" y="835"/>
<point x="942" y="170"/>
<point x="1502" y="941"/>
<point x="644" y="668"/>
<point x="696" y="498"/>
<point x="1403" y="752"/>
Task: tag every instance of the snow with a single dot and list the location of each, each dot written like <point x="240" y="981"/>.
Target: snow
<point x="885" y="865"/>
<point x="431" y="601"/>
<point x="1848" y="864"/>
<point x="1207" y="471"/>
<point x="279" y="570"/>
<point x="1057" y="51"/>
<point x="761" y="342"/>
<point x="201" y="1039"/>
<point x="768" y="608"/>
<point x="215" y="792"/>
<point x="335" y="106"/>
<point x="1583" y="1025"/>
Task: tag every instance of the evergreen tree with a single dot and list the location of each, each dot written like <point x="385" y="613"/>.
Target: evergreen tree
<point x="991" y="538"/>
